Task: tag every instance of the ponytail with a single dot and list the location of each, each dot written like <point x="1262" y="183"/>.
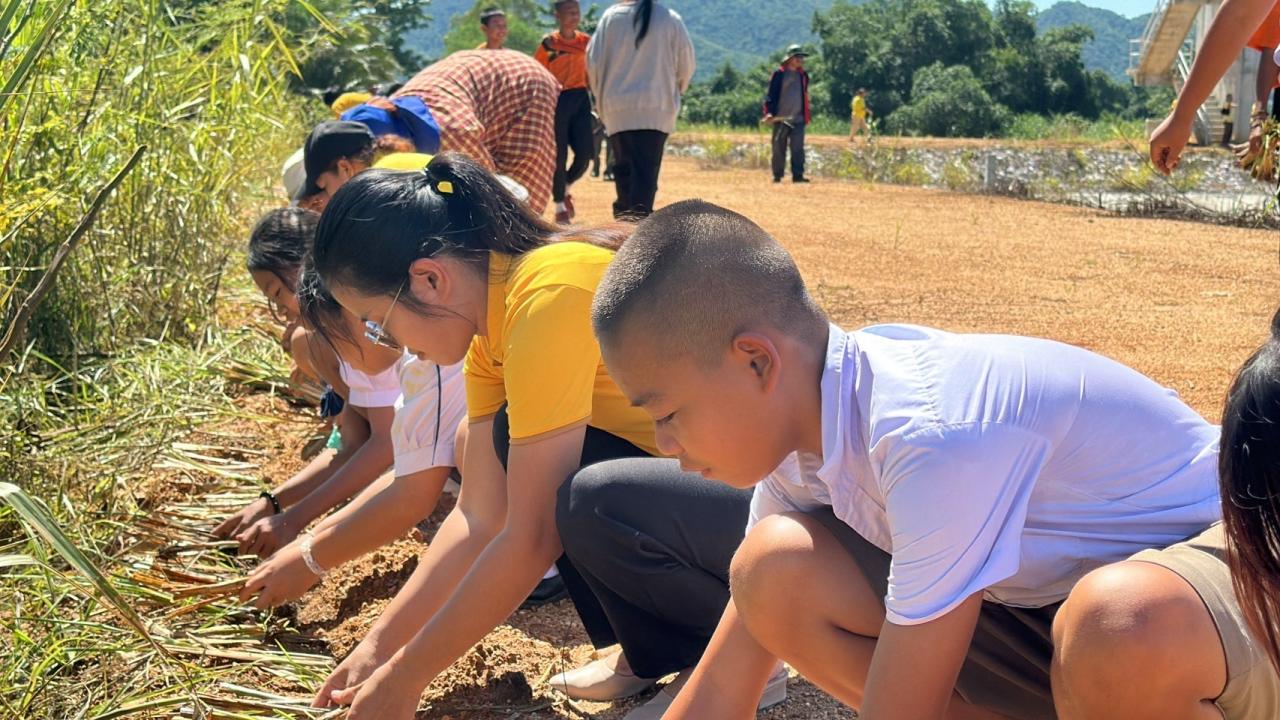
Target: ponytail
<point x="1249" y="477"/>
<point x="381" y="221"/>
<point x="644" y="13"/>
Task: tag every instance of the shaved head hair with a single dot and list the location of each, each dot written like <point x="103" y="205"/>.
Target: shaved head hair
<point x="694" y="275"/>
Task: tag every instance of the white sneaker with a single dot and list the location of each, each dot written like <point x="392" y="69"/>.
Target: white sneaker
<point x="774" y="693"/>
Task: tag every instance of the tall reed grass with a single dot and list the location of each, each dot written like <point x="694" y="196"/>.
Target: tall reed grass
<point x="120" y="360"/>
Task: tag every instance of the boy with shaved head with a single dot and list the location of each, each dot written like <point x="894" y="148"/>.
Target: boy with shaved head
<point x="941" y="523"/>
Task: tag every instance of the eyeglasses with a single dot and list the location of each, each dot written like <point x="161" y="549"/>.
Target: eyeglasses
<point x="374" y="332"/>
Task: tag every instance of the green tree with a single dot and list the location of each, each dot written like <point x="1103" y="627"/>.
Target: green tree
<point x="881" y="44"/>
<point x="360" y="42"/>
<point x="948" y="101"/>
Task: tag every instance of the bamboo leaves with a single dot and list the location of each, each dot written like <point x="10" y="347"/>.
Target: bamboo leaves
<point x="39" y="521"/>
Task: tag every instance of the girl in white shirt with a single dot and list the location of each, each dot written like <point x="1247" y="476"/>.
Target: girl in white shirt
<point x="348" y="362"/>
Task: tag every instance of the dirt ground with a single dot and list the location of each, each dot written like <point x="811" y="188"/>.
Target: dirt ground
<point x="1182" y="302"/>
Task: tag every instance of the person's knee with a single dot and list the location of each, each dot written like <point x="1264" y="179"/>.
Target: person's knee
<point x="774" y="560"/>
<point x="1125" y="624"/>
<point x="579" y="502"/>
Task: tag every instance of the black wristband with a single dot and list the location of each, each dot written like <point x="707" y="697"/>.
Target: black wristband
<point x="275" y="504"/>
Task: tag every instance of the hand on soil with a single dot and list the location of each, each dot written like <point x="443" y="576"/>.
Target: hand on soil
<point x="281" y="578"/>
<point x="1167" y="143"/>
<point x="243" y="520"/>
<point x="389" y="694"/>
<point x="267" y="535"/>
<point x="352" y="671"/>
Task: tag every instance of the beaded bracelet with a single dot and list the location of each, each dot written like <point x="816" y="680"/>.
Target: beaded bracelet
<point x="275" y="504"/>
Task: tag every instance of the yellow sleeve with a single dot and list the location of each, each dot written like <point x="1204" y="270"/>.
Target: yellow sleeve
<point x="485" y="391"/>
<point x="550" y="362"/>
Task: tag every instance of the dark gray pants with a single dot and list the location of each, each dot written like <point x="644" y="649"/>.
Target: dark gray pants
<point x="654" y="545"/>
<point x="788" y="135"/>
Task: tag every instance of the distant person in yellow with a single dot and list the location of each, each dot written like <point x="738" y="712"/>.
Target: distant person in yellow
<point x="858" y="119"/>
<point x="493" y="23"/>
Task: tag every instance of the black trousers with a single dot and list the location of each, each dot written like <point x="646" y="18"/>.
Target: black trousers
<point x="573" y="131"/>
<point x="788" y="136"/>
<point x="597" y="446"/>
<point x="654" y="545"/>
<point x="637" y="158"/>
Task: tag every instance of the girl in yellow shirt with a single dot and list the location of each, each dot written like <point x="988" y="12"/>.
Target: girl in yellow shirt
<point x="448" y="265"/>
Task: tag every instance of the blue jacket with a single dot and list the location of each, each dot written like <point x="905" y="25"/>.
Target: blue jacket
<point x="775" y="93"/>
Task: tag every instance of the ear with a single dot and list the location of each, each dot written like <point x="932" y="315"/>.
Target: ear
<point x="759" y="354"/>
<point x="429" y="281"/>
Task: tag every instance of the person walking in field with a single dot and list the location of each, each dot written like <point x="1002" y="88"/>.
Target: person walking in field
<point x="786" y="108"/>
<point x="858" y="117"/>
<point x="564" y="53"/>
<point x="493" y="23"/>
<point x="640" y="61"/>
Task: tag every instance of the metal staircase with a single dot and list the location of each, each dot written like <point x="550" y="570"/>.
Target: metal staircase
<point x="1152" y="60"/>
<point x="1163" y="56"/>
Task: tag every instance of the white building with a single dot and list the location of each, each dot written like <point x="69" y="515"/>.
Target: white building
<point x="1163" y="56"/>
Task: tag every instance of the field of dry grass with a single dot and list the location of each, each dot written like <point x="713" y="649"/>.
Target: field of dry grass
<point x="1182" y="302"/>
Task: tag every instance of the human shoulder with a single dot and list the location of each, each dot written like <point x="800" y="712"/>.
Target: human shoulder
<point x="558" y="264"/>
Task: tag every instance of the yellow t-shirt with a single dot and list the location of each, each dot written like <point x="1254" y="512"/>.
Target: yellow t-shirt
<point x="540" y="355"/>
<point x="859" y="107"/>
<point x="403" y="161"/>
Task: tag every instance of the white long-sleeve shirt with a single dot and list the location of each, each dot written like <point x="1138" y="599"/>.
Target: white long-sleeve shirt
<point x="639" y="88"/>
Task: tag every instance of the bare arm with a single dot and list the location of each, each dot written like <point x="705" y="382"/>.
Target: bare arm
<point x="355" y="431"/>
<point x="474" y="522"/>
<point x="364" y="466"/>
<point x="379" y="515"/>
<point x="914" y="668"/>
<point x="730" y="677"/>
<point x="1235" y="22"/>
<point x="503" y="575"/>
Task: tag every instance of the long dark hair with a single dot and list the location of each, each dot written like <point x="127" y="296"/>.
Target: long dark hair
<point x="1249" y="476"/>
<point x="321" y="312"/>
<point x="279" y="242"/>
<point x="381" y="221"/>
<point x="644" y="13"/>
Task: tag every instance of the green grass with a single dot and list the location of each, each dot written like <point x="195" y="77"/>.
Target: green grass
<point x="1074" y="128"/>
<point x="122" y="362"/>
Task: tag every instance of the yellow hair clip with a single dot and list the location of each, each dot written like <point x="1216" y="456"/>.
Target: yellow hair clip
<point x="444" y="187"/>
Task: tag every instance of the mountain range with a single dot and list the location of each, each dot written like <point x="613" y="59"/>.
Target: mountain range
<point x="746" y="32"/>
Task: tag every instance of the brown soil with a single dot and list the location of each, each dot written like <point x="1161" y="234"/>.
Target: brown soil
<point x="1182" y="302"/>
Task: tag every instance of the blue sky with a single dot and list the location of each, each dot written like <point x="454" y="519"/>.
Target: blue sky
<point x="1128" y="8"/>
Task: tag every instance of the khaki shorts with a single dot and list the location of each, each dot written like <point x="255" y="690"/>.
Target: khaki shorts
<point x="1007" y="667"/>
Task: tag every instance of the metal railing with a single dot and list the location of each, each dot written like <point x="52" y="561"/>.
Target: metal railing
<point x="1152" y="28"/>
<point x="1182" y="69"/>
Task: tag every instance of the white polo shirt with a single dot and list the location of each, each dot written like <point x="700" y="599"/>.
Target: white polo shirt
<point x="432" y="403"/>
<point x="995" y="463"/>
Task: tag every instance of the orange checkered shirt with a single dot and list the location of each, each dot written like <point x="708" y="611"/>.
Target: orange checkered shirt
<point x="499" y="107"/>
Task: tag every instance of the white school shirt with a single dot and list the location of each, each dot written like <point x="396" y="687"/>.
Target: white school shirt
<point x="994" y="463"/>
<point x="370" y="391"/>
<point x="432" y="403"/>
